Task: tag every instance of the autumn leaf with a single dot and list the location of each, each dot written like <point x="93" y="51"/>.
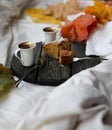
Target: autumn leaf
<point x="37" y="15"/>
<point x="80" y="28"/>
<point x="6" y="78"/>
<point x="101" y="11"/>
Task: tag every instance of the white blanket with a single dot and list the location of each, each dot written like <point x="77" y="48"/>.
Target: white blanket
<point x="100" y="42"/>
<point x="83" y="102"/>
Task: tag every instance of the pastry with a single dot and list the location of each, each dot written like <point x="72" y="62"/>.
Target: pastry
<point x="66" y="57"/>
<point x="53" y="49"/>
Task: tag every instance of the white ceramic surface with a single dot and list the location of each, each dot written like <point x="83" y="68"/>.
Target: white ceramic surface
<point x="26" y="54"/>
<point x="49" y="35"/>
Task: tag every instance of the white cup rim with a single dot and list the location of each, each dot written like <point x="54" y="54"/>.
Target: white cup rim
<point x="50" y="30"/>
<point x="34" y="44"/>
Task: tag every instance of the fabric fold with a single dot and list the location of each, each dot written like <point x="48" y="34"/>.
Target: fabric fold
<point x="100" y="41"/>
<point x="79" y="100"/>
<point x="9" y="10"/>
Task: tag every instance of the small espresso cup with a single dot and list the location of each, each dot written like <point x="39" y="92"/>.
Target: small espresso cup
<point x="26" y="50"/>
<point x="50" y="34"/>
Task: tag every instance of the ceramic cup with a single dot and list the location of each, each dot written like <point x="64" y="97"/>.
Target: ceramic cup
<point x="50" y="34"/>
<point x="26" y="50"/>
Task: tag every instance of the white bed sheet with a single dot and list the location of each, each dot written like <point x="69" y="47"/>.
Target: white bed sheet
<point x="83" y="102"/>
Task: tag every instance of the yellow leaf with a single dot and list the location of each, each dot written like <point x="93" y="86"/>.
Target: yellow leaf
<point x="101" y="11"/>
<point x="37" y="15"/>
<point x="6" y="78"/>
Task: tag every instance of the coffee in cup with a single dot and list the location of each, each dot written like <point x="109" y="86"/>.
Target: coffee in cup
<point x="26" y="50"/>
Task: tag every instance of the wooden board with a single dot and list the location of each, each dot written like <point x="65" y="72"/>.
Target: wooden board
<point x="52" y="73"/>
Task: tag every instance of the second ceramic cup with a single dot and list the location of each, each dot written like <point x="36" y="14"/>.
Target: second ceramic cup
<point x="50" y="34"/>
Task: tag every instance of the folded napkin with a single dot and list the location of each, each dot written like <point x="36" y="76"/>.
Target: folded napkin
<point x="100" y="42"/>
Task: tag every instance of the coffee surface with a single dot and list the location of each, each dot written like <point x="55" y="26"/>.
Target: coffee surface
<point x="26" y="45"/>
<point x="49" y="29"/>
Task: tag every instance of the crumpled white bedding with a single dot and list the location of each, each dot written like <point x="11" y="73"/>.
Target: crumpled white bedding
<point x="101" y="39"/>
<point x="83" y="102"/>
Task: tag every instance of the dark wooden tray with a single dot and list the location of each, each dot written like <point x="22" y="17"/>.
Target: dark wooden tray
<point x="52" y="73"/>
